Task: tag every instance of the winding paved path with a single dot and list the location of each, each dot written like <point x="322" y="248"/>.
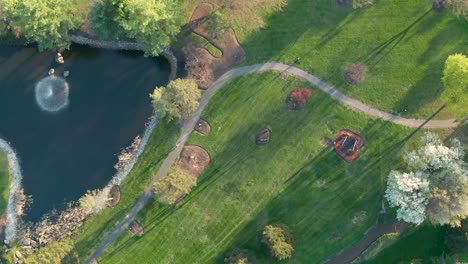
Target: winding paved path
<point x="190" y="124"/>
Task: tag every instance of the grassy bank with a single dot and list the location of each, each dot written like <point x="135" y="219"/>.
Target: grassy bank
<point x="95" y="229"/>
<point x="293" y="180"/>
<point x="4" y="183"/>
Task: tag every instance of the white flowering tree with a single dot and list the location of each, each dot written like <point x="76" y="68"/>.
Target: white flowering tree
<point x="437" y="189"/>
<point x="410" y="192"/>
<point x="94" y="201"/>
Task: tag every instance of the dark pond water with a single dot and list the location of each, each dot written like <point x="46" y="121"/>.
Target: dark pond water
<point x="63" y="154"/>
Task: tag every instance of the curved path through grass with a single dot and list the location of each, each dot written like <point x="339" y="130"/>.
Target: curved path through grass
<point x="218" y="84"/>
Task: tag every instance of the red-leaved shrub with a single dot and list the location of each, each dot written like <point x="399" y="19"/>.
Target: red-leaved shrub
<point x="297" y="99"/>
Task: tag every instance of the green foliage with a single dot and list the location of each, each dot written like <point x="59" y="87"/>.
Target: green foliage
<point x="361" y="3"/>
<point x="152" y="24"/>
<point x="55" y="252"/>
<point x="455" y="94"/>
<point x="179" y="98"/>
<point x="102" y="23"/>
<point x="456" y="238"/>
<point x="43" y="21"/>
<point x="173" y="185"/>
<point x="279" y="241"/>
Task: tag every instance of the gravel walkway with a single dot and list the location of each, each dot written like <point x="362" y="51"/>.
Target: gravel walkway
<point x="190" y="124"/>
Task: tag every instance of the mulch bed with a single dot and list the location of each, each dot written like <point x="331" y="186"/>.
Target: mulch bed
<point x="136" y="228"/>
<point x="203" y="127"/>
<point x="193" y="160"/>
<point x="355" y="73"/>
<point x="232" y="53"/>
<point x="114" y="196"/>
<point x="263" y="137"/>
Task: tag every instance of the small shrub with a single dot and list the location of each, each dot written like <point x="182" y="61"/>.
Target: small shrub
<point x="297" y="99"/>
<point x="355" y="73"/>
<point x="362" y="3"/>
<point x="437" y="5"/>
<point x="173" y="185"/>
<point x="239" y="256"/>
<point x="278" y="239"/>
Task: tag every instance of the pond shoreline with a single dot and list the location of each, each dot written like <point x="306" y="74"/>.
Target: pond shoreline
<point x="13" y="160"/>
<point x="124" y="45"/>
<point x="15" y="187"/>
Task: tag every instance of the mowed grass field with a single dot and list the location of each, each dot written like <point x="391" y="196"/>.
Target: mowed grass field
<point x="404" y="44"/>
<point x="4" y="183"/>
<point x="293" y="180"/>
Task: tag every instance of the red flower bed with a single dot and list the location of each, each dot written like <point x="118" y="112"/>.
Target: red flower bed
<point x="297" y="99"/>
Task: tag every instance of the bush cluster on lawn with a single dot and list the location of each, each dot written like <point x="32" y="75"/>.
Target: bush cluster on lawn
<point x="278" y="239"/>
<point x="179" y="98"/>
<point x="172" y="186"/>
<point x="298" y="98"/>
<point x="355" y="73"/>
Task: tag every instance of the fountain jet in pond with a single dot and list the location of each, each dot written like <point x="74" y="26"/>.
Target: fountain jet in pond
<point x="52" y="93"/>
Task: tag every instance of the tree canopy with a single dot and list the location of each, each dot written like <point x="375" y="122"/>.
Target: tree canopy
<point x="43" y="21"/>
<point x="278" y="240"/>
<point x="455" y="79"/>
<point x="436" y="189"/>
<point x="173" y="185"/>
<point x="152" y="24"/>
<point x="179" y="98"/>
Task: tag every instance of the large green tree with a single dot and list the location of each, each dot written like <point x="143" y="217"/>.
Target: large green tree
<point x="43" y="21"/>
<point x="151" y="23"/>
<point x="172" y="186"/>
<point x="179" y="98"/>
<point x="455" y="94"/>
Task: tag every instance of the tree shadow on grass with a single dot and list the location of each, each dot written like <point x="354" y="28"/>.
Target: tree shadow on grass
<point x="303" y="204"/>
<point x="285" y="27"/>
<point x="428" y="89"/>
<point x="381" y="51"/>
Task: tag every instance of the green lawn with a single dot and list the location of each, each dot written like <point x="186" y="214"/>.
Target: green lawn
<point x="292" y="180"/>
<point x="4" y="183"/>
<point x="95" y="229"/>
<point x="423" y="243"/>
<point x="403" y="43"/>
